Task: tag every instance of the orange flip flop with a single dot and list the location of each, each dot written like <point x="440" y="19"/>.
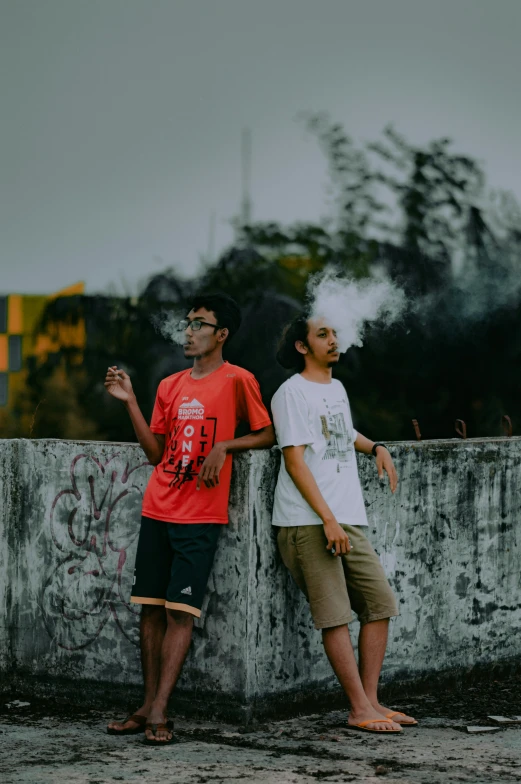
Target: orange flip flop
<point x="400" y="713"/>
<point x="363" y="726"/>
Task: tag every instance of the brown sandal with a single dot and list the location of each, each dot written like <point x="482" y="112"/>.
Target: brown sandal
<point x="137" y="718"/>
<point x="155" y="728"/>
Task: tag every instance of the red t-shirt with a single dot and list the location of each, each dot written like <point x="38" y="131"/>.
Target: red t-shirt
<point x="194" y="414"/>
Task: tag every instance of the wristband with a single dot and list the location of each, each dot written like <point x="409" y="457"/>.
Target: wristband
<point x="373" y="450"/>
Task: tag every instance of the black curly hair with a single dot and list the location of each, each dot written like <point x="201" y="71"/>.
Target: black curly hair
<point x="287" y="354"/>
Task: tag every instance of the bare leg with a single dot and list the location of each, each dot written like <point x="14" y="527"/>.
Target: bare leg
<point x="372" y="643"/>
<point x="339" y="649"/>
<point x="151" y="632"/>
<point x="175" y="646"/>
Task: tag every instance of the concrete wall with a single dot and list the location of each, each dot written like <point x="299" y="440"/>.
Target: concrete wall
<point x="450" y="541"/>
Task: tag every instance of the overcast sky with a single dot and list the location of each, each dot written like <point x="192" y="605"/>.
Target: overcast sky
<point x="121" y="119"/>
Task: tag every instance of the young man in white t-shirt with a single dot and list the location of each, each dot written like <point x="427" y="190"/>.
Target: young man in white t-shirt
<point x="320" y="512"/>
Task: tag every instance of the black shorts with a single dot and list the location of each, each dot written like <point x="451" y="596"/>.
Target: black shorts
<point x="173" y="563"/>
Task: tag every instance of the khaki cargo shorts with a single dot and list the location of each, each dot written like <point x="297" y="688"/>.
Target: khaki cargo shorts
<point x="335" y="584"/>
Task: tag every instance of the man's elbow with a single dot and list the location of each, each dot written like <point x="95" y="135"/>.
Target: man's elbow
<point x="269" y="437"/>
<point x="291" y="465"/>
<point x="293" y="460"/>
<point x="265" y="438"/>
<point x="155" y="459"/>
<point x="290" y="469"/>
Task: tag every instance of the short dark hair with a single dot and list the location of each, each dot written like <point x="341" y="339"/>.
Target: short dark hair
<point x="224" y="308"/>
<point x="287" y="355"/>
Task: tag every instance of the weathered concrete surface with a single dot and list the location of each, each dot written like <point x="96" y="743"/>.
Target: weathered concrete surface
<point x="450" y="541"/>
<point x="45" y="743"/>
<point x="71" y="566"/>
<point x="52" y="752"/>
<point x="9" y="526"/>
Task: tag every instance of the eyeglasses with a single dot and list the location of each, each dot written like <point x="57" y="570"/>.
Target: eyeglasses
<point x="195" y="325"/>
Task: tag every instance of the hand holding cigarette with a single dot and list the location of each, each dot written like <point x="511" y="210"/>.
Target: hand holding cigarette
<point x="118" y="384"/>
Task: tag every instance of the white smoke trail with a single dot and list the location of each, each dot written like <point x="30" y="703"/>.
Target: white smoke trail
<point x="166" y="323"/>
<point x="349" y="305"/>
<point x="488" y="288"/>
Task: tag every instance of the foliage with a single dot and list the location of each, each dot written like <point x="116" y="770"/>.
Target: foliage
<point x="421" y="213"/>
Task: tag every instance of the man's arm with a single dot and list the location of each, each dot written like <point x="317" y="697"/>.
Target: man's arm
<point x="308" y="488"/>
<point x="384" y="461"/>
<point x="210" y="469"/>
<point x="118" y="384"/>
<point x="153" y="444"/>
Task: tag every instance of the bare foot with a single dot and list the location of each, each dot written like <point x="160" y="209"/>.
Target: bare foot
<point x="128" y="724"/>
<point x="377" y="719"/>
<point x="161" y="735"/>
<point x="397" y="716"/>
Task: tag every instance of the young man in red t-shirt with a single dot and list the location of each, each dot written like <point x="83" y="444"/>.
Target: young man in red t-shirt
<point x="190" y="442"/>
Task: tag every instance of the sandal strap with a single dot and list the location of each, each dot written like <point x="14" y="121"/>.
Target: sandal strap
<point x="137" y="718"/>
<point x="155" y="728"/>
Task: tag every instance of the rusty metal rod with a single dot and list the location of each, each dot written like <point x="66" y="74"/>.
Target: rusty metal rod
<point x="507" y="425"/>
<point x="461" y="431"/>
<point x="417" y="429"/>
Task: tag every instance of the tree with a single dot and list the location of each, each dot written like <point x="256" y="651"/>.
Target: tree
<point x="422" y="213"/>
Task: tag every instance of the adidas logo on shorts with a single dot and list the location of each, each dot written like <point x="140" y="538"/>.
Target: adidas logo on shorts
<point x="188" y="591"/>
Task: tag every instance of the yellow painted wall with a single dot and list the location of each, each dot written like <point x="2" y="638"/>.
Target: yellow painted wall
<point x="23" y="314"/>
<point x="4" y="359"/>
<point x="14" y="314"/>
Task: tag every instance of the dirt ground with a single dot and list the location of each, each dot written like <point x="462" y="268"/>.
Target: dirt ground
<point x="48" y="741"/>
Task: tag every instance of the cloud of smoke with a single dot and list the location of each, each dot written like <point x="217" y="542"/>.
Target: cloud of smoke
<point x="486" y="289"/>
<point x="477" y="292"/>
<point x="166" y="323"/>
<point x="350" y="305"/>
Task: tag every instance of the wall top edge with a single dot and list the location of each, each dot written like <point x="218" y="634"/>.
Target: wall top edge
<point x="462" y="442"/>
<point x="81" y="442"/>
<point x="432" y="442"/>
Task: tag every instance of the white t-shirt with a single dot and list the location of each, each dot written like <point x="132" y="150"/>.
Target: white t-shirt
<point x="317" y="415"/>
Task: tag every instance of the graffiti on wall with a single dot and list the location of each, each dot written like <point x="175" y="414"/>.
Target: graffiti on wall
<point x="94" y="523"/>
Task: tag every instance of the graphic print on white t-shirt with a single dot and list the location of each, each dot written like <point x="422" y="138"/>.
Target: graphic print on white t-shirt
<point x="339" y="440"/>
<point x="317" y="416"/>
